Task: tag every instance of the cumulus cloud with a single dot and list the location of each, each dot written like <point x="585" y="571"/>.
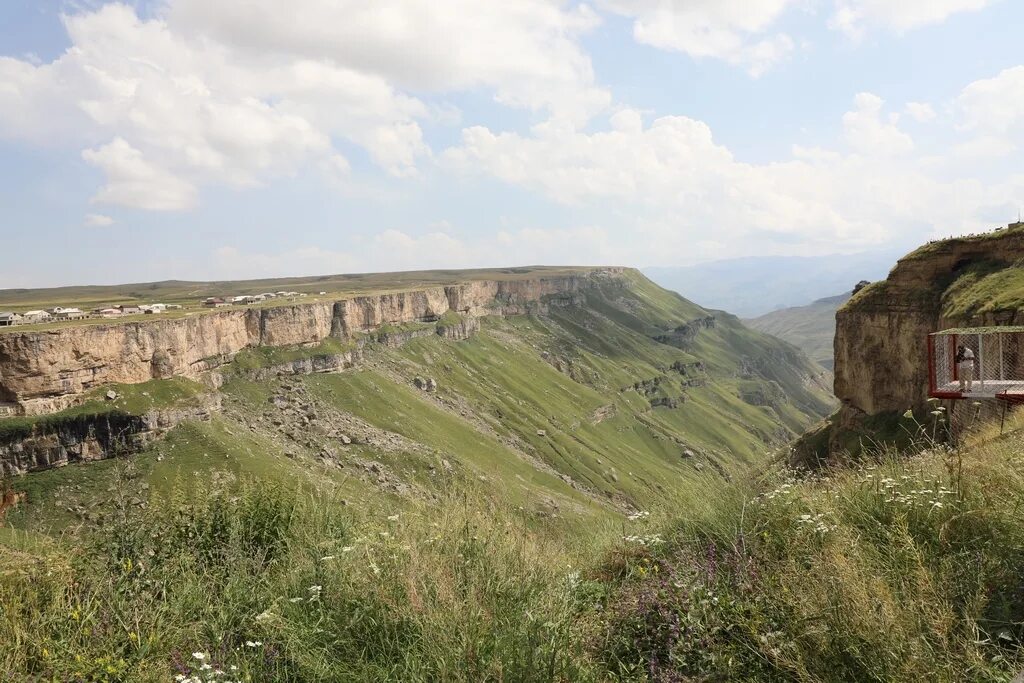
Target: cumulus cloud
<point x="736" y="31"/>
<point x="867" y="132"/>
<point x="526" y="51"/>
<point x="678" y="191"/>
<point x="135" y="182"/>
<point x="228" y="93"/>
<point x="854" y="17"/>
<point x="992" y="110"/>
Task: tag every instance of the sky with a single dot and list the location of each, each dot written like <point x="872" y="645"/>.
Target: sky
<point x="188" y="139"/>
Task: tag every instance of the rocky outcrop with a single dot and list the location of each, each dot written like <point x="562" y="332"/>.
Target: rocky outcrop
<point x="333" y="362"/>
<point x="881" y="358"/>
<point x="684" y="335"/>
<point x="55" y="442"/>
<point x="42" y="371"/>
<point x="463" y="327"/>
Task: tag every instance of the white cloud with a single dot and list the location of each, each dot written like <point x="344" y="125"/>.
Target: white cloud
<point x="736" y="31"/>
<point x="526" y="51"/>
<point x="133" y="181"/>
<point x="992" y="110"/>
<point x="98" y="220"/>
<point x="866" y="132"/>
<point x="673" y="190"/>
<point x="922" y="112"/>
<point x="240" y="93"/>
<point x="853" y="17"/>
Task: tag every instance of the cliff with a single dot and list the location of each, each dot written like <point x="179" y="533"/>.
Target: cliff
<point x="43" y="371"/>
<point x="881" y="361"/>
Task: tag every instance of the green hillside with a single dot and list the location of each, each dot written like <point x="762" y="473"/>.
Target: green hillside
<point x="556" y="425"/>
<point x="810" y="328"/>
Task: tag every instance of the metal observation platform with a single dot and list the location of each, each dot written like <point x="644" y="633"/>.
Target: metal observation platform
<point x="991" y="364"/>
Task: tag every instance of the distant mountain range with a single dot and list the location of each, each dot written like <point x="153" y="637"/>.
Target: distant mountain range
<point x="811" y="328"/>
<point x="750" y="287"/>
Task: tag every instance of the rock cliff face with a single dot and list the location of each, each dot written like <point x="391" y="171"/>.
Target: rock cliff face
<point x="45" y="371"/>
<point x="881" y="359"/>
<point x="90" y="437"/>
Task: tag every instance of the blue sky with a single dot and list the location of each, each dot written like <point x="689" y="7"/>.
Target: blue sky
<point x="196" y="140"/>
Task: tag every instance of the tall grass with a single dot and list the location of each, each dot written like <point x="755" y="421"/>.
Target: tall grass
<point x="295" y="590"/>
<point x="901" y="570"/>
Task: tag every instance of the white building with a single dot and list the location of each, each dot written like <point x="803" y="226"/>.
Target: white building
<point x="68" y="313"/>
<point x="35" y="317"/>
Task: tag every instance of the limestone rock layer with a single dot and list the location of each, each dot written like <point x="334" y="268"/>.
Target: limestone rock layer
<point x="44" y="370"/>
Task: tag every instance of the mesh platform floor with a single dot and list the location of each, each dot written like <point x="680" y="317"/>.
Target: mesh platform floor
<point x="990" y="388"/>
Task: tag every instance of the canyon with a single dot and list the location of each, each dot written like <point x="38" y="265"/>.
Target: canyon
<point x="48" y="370"/>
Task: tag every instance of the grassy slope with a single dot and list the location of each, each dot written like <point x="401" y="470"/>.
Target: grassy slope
<point x="984" y="288"/>
<point x="811" y="328"/>
<point x="902" y="570"/>
<point x="859" y="575"/>
<point x="496" y="392"/>
<point x="514" y="426"/>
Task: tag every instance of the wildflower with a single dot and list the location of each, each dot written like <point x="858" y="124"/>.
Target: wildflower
<point x="205" y="666"/>
<point x="294" y="599"/>
<point x="909" y="414"/>
<point x="393" y="518"/>
<point x="347" y="549"/>
<point x="199" y="655"/>
<point x="252" y="643"/>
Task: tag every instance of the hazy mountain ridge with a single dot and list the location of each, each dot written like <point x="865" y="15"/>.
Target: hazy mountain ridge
<point x="752" y="286"/>
<point x="811" y="328"/>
